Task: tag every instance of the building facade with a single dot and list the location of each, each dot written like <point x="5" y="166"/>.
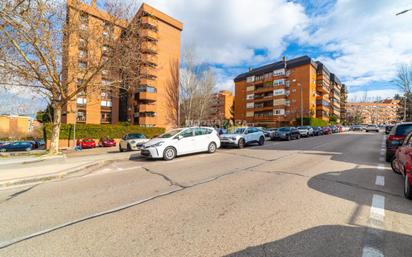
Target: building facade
<point x="222" y="106"/>
<point x="379" y="112"/>
<point x="143" y="101"/>
<point x="15" y="126"/>
<point x="279" y="93"/>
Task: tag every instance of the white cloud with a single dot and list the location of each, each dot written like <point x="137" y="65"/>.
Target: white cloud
<point x="370" y="39"/>
<point x="227" y="32"/>
<point x="372" y="95"/>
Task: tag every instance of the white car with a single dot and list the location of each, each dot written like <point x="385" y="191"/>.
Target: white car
<point x="243" y="136"/>
<point x="132" y="142"/>
<point x="306" y="131"/>
<point x="180" y="142"/>
<point x="372" y="127"/>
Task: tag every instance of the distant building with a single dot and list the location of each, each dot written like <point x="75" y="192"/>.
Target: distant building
<point x="222" y="106"/>
<point x="14" y="126"/>
<point x="277" y="94"/>
<point x="378" y="112"/>
<point x="147" y="101"/>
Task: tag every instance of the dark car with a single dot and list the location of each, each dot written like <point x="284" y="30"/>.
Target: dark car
<point x="107" y="142"/>
<point x="356" y="128"/>
<point x="287" y="133"/>
<point x="317" y="131"/>
<point x="402" y="164"/>
<point x="396" y="138"/>
<point x="17" y="146"/>
<point x="388" y="129"/>
<point x="327" y="130"/>
<point x="334" y="129"/>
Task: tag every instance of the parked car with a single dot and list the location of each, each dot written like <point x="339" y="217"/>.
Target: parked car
<point x="181" y="141"/>
<point x="372" y="127"/>
<point x="356" y="128"/>
<point x="388" y="129"/>
<point x="317" y="131"/>
<point x="334" y="129"/>
<point x="132" y="142"/>
<point x="306" y="131"/>
<point x="396" y="138"/>
<point x="242" y="137"/>
<point x="270" y="132"/>
<point x="16" y="146"/>
<point x="86" y="143"/>
<point x="340" y="128"/>
<point x="326" y="130"/>
<point x="402" y="164"/>
<point x="287" y="133"/>
<point x="107" y="142"/>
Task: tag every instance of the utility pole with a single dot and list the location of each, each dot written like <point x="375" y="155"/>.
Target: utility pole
<point x="75" y="121"/>
<point x="301" y="104"/>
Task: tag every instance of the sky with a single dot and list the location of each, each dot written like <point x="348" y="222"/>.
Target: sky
<point x="362" y="41"/>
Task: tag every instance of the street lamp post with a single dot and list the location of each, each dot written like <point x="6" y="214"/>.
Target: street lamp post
<point x="301" y="101"/>
<point x="75" y="121"/>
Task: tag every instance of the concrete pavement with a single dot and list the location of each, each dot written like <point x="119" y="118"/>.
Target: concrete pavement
<point x="313" y="197"/>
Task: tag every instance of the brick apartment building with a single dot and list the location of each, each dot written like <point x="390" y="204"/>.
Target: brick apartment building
<point x="378" y="112"/>
<point x="147" y="101"/>
<point x="277" y="94"/>
<point x="221" y="107"/>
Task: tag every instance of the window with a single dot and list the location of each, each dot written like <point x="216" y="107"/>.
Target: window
<point x="82" y="43"/>
<point x="250" y="79"/>
<point x="249" y="114"/>
<point x="82" y="65"/>
<point x="81" y="116"/>
<point x="278" y="82"/>
<point x="280" y="72"/>
<point x="82" y="53"/>
<point x="81" y="101"/>
<point x="105" y="82"/>
<point x="251" y="88"/>
<point x="279" y="92"/>
<point x="106" y="103"/>
<point x="279" y="102"/>
<point x="187" y="133"/>
<point x="106" y="117"/>
<point x="279" y="112"/>
<point x="202" y="131"/>
<point x="250" y="96"/>
<point x="250" y="105"/>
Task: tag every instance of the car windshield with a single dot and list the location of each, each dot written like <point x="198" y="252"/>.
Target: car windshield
<point x="284" y="129"/>
<point x="303" y="128"/>
<point x="136" y="136"/>
<point x="88" y="140"/>
<point x="239" y="131"/>
<point x="170" y="133"/>
<point x="403" y="129"/>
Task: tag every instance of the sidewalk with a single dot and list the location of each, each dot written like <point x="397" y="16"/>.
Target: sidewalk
<point x="33" y="171"/>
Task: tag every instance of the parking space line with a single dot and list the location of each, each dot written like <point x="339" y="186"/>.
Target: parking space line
<point x="381" y="166"/>
<point x="380" y="180"/>
<point x="378" y="207"/>
<point x="373" y="246"/>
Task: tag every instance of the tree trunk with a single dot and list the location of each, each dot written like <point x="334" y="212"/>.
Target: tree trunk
<point x="55" y="137"/>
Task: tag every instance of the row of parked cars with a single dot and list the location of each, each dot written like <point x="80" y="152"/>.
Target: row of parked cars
<point x="399" y="153"/>
<point x="16" y="146"/>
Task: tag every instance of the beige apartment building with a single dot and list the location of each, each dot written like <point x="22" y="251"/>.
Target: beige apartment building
<point x="222" y="106"/>
<point x="379" y="112"/>
<point x="279" y="93"/>
<point x="146" y="100"/>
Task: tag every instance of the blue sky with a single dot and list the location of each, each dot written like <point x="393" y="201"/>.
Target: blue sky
<point x="361" y="41"/>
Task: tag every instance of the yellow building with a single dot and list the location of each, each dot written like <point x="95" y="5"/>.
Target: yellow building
<point x="147" y="102"/>
<point x="379" y="112"/>
<point x="222" y="106"/>
<point x="14" y="126"/>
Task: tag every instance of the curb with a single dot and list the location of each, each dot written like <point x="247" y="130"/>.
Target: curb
<point x="57" y="175"/>
<point x="40" y="159"/>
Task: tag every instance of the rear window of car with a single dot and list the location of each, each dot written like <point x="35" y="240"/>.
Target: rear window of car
<point x="403" y="129"/>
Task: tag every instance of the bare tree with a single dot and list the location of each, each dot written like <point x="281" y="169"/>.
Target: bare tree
<point x="34" y="39"/>
<point x="197" y="85"/>
<point x="404" y="82"/>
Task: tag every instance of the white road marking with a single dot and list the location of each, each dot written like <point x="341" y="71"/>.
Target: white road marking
<point x="371" y="252"/>
<point x="381" y="166"/>
<point x="378" y="208"/>
<point x="380" y="180"/>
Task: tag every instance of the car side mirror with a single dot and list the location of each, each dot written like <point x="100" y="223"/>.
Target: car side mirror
<point x="179" y="137"/>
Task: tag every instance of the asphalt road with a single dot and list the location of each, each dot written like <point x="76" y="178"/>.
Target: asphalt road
<point x="323" y="196"/>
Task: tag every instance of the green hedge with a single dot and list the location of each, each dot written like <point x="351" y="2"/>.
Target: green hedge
<point x="99" y="131"/>
<point x="314" y="122"/>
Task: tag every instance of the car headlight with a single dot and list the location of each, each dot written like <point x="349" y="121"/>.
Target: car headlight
<point x="157" y="144"/>
<point x="132" y="142"/>
<point x="233" y="138"/>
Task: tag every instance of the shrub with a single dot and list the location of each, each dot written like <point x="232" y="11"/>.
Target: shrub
<point x="98" y="131"/>
<point x="314" y="122"/>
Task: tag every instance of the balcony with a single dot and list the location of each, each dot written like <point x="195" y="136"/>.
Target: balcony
<point x="149" y="72"/>
<point x="149" y="46"/>
<point x="148" y="33"/>
<point x="147" y="120"/>
<point x="148" y="96"/>
<point x="152" y="58"/>
<point x="322" y="87"/>
<point x="147" y="108"/>
<point x="263" y="89"/>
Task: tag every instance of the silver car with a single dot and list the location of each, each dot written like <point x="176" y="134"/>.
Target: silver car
<point x="132" y="142"/>
<point x="243" y="136"/>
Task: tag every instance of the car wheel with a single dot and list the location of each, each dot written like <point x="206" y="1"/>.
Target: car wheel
<point x="388" y="158"/>
<point x="407" y="189"/>
<point x="241" y="143"/>
<point x="212" y="147"/>
<point x="289" y="138"/>
<point x="298" y="137"/>
<point x="261" y="141"/>
<point x="393" y="166"/>
<point x="120" y="148"/>
<point x="169" y="154"/>
<point x="129" y="148"/>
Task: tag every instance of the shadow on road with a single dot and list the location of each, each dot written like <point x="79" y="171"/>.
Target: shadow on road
<point x="327" y="241"/>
